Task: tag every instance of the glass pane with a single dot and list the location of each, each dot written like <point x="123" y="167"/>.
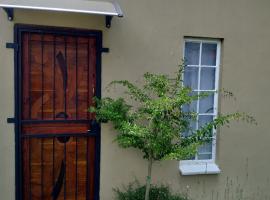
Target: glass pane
<point x="192" y="53"/>
<point x="192" y="127"/>
<point x="209" y="52"/>
<point x="207" y="78"/>
<point x="207" y="104"/>
<point x="192" y="107"/>
<point x="204" y="119"/>
<point x="204" y="156"/>
<point x="191" y="77"/>
<point x="205" y="149"/>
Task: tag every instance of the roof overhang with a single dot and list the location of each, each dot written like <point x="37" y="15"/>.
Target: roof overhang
<point x="108" y="8"/>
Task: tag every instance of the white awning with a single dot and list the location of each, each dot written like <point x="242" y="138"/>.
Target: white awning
<point x="99" y="7"/>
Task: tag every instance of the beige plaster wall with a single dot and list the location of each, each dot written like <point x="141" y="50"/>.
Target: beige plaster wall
<point x="150" y="38"/>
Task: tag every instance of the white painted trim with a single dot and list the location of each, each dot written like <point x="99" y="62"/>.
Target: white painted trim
<point x="199" y="40"/>
<point x="202" y="66"/>
<point x="115" y="11"/>
<point x="199" y="166"/>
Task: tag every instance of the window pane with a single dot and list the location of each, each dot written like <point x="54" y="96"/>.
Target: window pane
<point x="192" y="107"/>
<point x="207" y="104"/>
<point x="204" y="119"/>
<point x="207" y="78"/>
<point x="191" y="77"/>
<point x="192" y="127"/>
<point x="192" y="53"/>
<point x="209" y="52"/>
<point x="204" y="156"/>
<point x="205" y="151"/>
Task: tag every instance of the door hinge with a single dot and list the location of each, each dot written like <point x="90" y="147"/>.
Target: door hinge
<point x="11" y="120"/>
<point x="14" y="46"/>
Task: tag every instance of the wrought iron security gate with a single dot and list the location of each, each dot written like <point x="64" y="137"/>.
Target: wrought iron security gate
<point x="57" y="141"/>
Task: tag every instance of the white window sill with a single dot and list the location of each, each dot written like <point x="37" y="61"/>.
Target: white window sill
<point x="196" y="168"/>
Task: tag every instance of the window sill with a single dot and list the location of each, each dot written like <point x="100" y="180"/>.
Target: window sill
<point x="196" y="168"/>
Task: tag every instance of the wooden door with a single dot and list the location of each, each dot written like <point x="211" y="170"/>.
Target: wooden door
<point x="58" y="144"/>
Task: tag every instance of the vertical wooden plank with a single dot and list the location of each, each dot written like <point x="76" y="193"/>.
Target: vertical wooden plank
<point x="91" y="165"/>
<point x="54" y="76"/>
<point x="82" y="170"/>
<point x="59" y="77"/>
<point x="26" y="169"/>
<point x="35" y="169"/>
<point x="58" y="158"/>
<point x="92" y="73"/>
<point x="42" y="168"/>
<point x="76" y="83"/>
<point x="76" y="168"/>
<point x="71" y="167"/>
<point x="71" y="79"/>
<point x="47" y="167"/>
<point x="82" y="77"/>
<point x="36" y="76"/>
<point x="48" y="77"/>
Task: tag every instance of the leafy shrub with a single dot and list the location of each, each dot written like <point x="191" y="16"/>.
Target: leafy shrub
<point x="135" y="191"/>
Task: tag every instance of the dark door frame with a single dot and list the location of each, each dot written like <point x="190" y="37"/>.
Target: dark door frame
<point x="18" y="30"/>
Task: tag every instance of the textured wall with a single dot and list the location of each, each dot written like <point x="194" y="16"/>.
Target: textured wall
<point x="150" y="38"/>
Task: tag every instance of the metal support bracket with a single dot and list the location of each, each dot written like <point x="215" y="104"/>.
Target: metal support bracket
<point x="14" y="46"/>
<point x="11" y="120"/>
<point x="108" y="21"/>
<point x="105" y="50"/>
<point x="10" y="13"/>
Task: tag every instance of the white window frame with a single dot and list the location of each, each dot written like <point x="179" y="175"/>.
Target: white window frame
<point x="193" y="167"/>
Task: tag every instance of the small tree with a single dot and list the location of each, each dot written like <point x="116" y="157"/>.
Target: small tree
<point x="156" y="123"/>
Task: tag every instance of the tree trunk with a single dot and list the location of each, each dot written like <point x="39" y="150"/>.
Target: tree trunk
<point x="148" y="179"/>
